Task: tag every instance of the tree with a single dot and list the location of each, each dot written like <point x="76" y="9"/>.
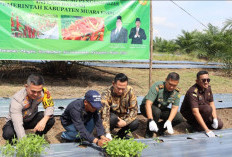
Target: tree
<point x="162" y="45"/>
<point x="211" y="41"/>
<point x="186" y="41"/>
<point x="227" y="25"/>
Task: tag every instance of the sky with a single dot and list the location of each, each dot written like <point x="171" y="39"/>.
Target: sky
<point x="169" y="20"/>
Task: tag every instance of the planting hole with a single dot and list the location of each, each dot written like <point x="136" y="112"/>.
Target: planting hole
<point x="61" y="107"/>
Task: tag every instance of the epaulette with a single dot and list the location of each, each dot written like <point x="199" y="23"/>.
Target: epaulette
<point x="195" y="90"/>
<point x="177" y="89"/>
<point x="161" y="86"/>
<point x="157" y="89"/>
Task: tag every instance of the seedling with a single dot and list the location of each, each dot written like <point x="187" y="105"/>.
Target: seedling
<point x="124" y="148"/>
<point x="28" y="146"/>
<point x="8" y="150"/>
<point x="158" y="140"/>
<point x="78" y="136"/>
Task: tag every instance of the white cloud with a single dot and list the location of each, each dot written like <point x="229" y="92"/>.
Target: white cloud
<point x="162" y="21"/>
<point x="159" y="20"/>
<point x="156" y="33"/>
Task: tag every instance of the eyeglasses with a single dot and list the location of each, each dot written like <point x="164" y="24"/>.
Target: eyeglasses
<point x="204" y="80"/>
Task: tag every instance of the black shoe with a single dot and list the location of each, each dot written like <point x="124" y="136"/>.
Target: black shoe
<point x="148" y="134"/>
<point x="160" y="133"/>
<point x="64" y="140"/>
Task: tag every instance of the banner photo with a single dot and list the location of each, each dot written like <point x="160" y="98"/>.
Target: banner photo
<point x="74" y="30"/>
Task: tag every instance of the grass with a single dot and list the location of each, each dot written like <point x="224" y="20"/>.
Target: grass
<point x="176" y="57"/>
<point x="100" y="78"/>
<point x="97" y="80"/>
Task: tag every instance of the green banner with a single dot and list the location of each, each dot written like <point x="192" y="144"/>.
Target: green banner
<point x="74" y="30"/>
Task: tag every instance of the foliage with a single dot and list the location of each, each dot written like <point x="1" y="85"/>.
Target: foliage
<point x="124" y="148"/>
<point x="158" y="140"/>
<point x="212" y="43"/>
<point x="29" y="146"/>
<point x="163" y="45"/>
<point x="187" y="41"/>
<point x="8" y="150"/>
<point x="227" y="59"/>
<point x="227" y="25"/>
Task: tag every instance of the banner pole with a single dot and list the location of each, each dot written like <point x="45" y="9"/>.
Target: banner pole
<point x="151" y="46"/>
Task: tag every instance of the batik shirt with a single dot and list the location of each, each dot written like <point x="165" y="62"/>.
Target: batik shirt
<point x="124" y="106"/>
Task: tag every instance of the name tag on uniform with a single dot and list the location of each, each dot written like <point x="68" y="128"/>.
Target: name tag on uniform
<point x="200" y="98"/>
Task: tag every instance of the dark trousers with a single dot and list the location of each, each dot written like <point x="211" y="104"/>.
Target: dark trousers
<point x="163" y="114"/>
<point x="9" y="132"/>
<point x="206" y="113"/>
<point x="123" y="131"/>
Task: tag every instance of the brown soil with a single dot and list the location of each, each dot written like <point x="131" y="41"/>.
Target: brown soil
<point x="98" y="79"/>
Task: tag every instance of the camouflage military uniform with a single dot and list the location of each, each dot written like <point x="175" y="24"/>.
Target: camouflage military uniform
<point x="124" y="106"/>
<point x="161" y="98"/>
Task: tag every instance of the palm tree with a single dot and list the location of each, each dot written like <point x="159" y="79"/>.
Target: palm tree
<point x="186" y="41"/>
<point x="227" y="25"/>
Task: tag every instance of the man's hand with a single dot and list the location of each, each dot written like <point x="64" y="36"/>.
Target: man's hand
<point x="215" y="123"/>
<point x="121" y="123"/>
<point x="108" y="135"/>
<point x="210" y="133"/>
<point x="41" y="124"/>
<point x="105" y="137"/>
<point x="153" y="126"/>
<point x="101" y="142"/>
<point x="168" y="125"/>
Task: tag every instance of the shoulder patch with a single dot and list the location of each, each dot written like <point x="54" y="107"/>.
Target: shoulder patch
<point x="177" y="89"/>
<point x="157" y="89"/>
<point x="161" y="86"/>
<point x="194" y="95"/>
<point x="195" y="90"/>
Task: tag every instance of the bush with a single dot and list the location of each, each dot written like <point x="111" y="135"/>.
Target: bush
<point x="227" y="60"/>
<point x="29" y="146"/>
<point x="124" y="148"/>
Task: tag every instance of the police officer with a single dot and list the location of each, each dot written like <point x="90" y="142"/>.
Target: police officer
<point x="23" y="111"/>
<point x="198" y="106"/>
<point x="119" y="107"/>
<point x="155" y="106"/>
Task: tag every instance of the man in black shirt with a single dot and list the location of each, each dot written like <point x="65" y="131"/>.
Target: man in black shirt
<point x="80" y="118"/>
<point x="137" y="34"/>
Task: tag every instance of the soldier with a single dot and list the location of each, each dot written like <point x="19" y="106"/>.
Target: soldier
<point x="198" y="106"/>
<point x="119" y="107"/>
<point x="155" y="106"/>
<point x="23" y="111"/>
<point x="80" y="118"/>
